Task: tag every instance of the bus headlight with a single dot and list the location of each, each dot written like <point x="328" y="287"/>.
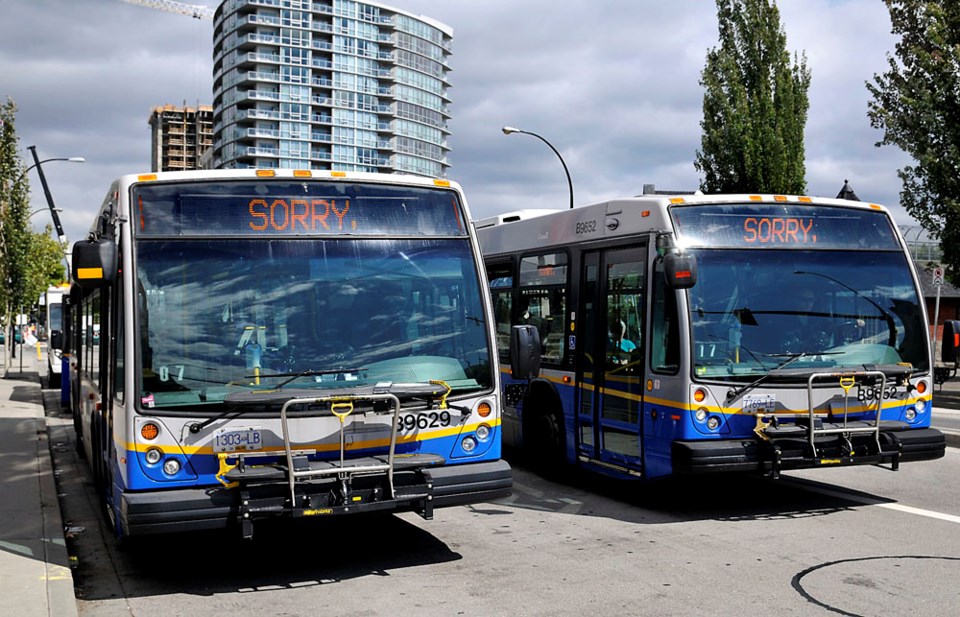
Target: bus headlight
<point x="713" y="423"/>
<point x="469" y="444"/>
<point x="911" y="412"/>
<point x="701" y="414"/>
<point x="171" y="466"/>
<point x="153" y="456"/>
<point x="483" y="432"/>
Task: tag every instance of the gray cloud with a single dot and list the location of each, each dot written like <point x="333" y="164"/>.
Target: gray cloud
<point x="613" y="85"/>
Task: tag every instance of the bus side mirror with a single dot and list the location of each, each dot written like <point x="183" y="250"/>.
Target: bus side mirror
<point x="680" y="270"/>
<point x="94" y="263"/>
<point x="56" y="340"/>
<point x="525" y="352"/>
<point x="950" y="349"/>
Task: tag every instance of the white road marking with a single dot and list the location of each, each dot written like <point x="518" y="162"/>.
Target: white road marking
<point x="950" y="518"/>
<point x="920" y="512"/>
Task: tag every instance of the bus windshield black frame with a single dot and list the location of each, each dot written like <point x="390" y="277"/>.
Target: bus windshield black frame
<point x="248" y="311"/>
<point x="818" y="287"/>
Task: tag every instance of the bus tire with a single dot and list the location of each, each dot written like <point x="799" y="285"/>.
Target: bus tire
<point x="99" y="463"/>
<point x="543" y="431"/>
<point x="95" y="456"/>
<point x="78" y="443"/>
<point x="109" y="511"/>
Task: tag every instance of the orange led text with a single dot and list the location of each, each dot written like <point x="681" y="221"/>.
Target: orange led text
<point x="297" y="214"/>
<point x="778" y="230"/>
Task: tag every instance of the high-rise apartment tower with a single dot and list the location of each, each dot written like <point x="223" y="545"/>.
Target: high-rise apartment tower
<point x="329" y="84"/>
<point x="179" y="136"/>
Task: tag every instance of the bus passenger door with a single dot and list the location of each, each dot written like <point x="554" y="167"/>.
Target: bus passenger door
<point x="609" y="383"/>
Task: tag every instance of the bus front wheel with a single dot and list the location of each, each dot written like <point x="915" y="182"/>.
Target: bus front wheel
<point x="544" y="437"/>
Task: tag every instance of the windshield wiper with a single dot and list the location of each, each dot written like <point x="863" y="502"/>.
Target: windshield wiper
<point x="307" y="373"/>
<point x="790" y="359"/>
<point x="236" y="404"/>
<point x="196" y="427"/>
<point x="428" y="392"/>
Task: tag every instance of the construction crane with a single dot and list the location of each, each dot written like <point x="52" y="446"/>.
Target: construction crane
<point x="196" y="11"/>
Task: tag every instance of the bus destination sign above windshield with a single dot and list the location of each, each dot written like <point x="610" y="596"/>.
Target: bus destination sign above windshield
<point x="784" y="226"/>
<point x="778" y="230"/>
<point x="246" y="208"/>
<point x="295" y="215"/>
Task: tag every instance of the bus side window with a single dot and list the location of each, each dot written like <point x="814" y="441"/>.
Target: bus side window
<point x="542" y="301"/>
<point x="544" y="308"/>
<point x="665" y="332"/>
<point x="91" y="315"/>
<point x="501" y="292"/>
<point x="119" y="317"/>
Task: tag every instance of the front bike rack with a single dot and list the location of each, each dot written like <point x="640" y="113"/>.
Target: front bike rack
<point x="341" y="407"/>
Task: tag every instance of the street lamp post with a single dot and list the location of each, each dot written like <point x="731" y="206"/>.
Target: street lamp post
<point x="36" y="212"/>
<point x="53" y="213"/>
<point x="507" y="130"/>
<point x="46" y="189"/>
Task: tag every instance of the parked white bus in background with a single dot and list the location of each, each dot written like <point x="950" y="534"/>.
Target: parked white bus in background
<point x="689" y="334"/>
<point x="53" y="316"/>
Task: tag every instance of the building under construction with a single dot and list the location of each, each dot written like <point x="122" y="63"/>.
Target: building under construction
<point x="180" y="136"/>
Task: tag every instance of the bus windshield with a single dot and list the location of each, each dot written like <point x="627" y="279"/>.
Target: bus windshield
<point x="753" y="311"/>
<point x="54" y="316"/>
<point x="224" y="315"/>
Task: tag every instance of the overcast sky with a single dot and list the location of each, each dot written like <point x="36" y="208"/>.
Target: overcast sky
<point x="612" y="84"/>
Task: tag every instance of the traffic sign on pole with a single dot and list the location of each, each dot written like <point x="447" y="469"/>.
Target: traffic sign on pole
<point x="938" y="276"/>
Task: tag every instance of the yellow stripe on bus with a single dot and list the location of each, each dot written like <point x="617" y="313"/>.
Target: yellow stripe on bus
<point x="730" y="411"/>
<point x="331" y="447"/>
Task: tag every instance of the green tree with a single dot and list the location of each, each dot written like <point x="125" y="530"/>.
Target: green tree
<point x="14" y="205"/>
<point x="754" y="105"/>
<point x="916" y="105"/>
<point x="44" y="264"/>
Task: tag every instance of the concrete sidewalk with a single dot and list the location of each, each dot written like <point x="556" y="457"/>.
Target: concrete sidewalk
<point x="34" y="566"/>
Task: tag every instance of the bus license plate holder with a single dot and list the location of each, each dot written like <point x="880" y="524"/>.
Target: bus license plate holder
<point x="240" y="439"/>
<point x="759" y="403"/>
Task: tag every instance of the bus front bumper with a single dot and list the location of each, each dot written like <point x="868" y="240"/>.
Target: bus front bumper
<point x="757" y="455"/>
<point x="201" y="508"/>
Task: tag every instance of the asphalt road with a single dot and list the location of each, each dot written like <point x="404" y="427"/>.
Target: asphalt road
<point x="946" y="414"/>
<point x="854" y="541"/>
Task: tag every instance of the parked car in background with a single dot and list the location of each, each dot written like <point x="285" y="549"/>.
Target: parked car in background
<point x="18" y="336"/>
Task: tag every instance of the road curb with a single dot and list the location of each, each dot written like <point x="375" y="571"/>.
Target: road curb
<point x="61" y="595"/>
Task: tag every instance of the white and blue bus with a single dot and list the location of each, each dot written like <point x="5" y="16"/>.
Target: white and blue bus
<point x="53" y="321"/>
<point x="687" y="334"/>
<point x="255" y="344"/>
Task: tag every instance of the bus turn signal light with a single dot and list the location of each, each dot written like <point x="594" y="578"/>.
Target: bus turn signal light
<point x="149" y="431"/>
<point x="484" y="409"/>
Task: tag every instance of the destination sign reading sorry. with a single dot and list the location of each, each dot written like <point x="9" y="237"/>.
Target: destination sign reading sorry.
<point x="273" y="208"/>
<point x="299" y="214"/>
<point x="779" y="230"/>
<point x="783" y="226"/>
